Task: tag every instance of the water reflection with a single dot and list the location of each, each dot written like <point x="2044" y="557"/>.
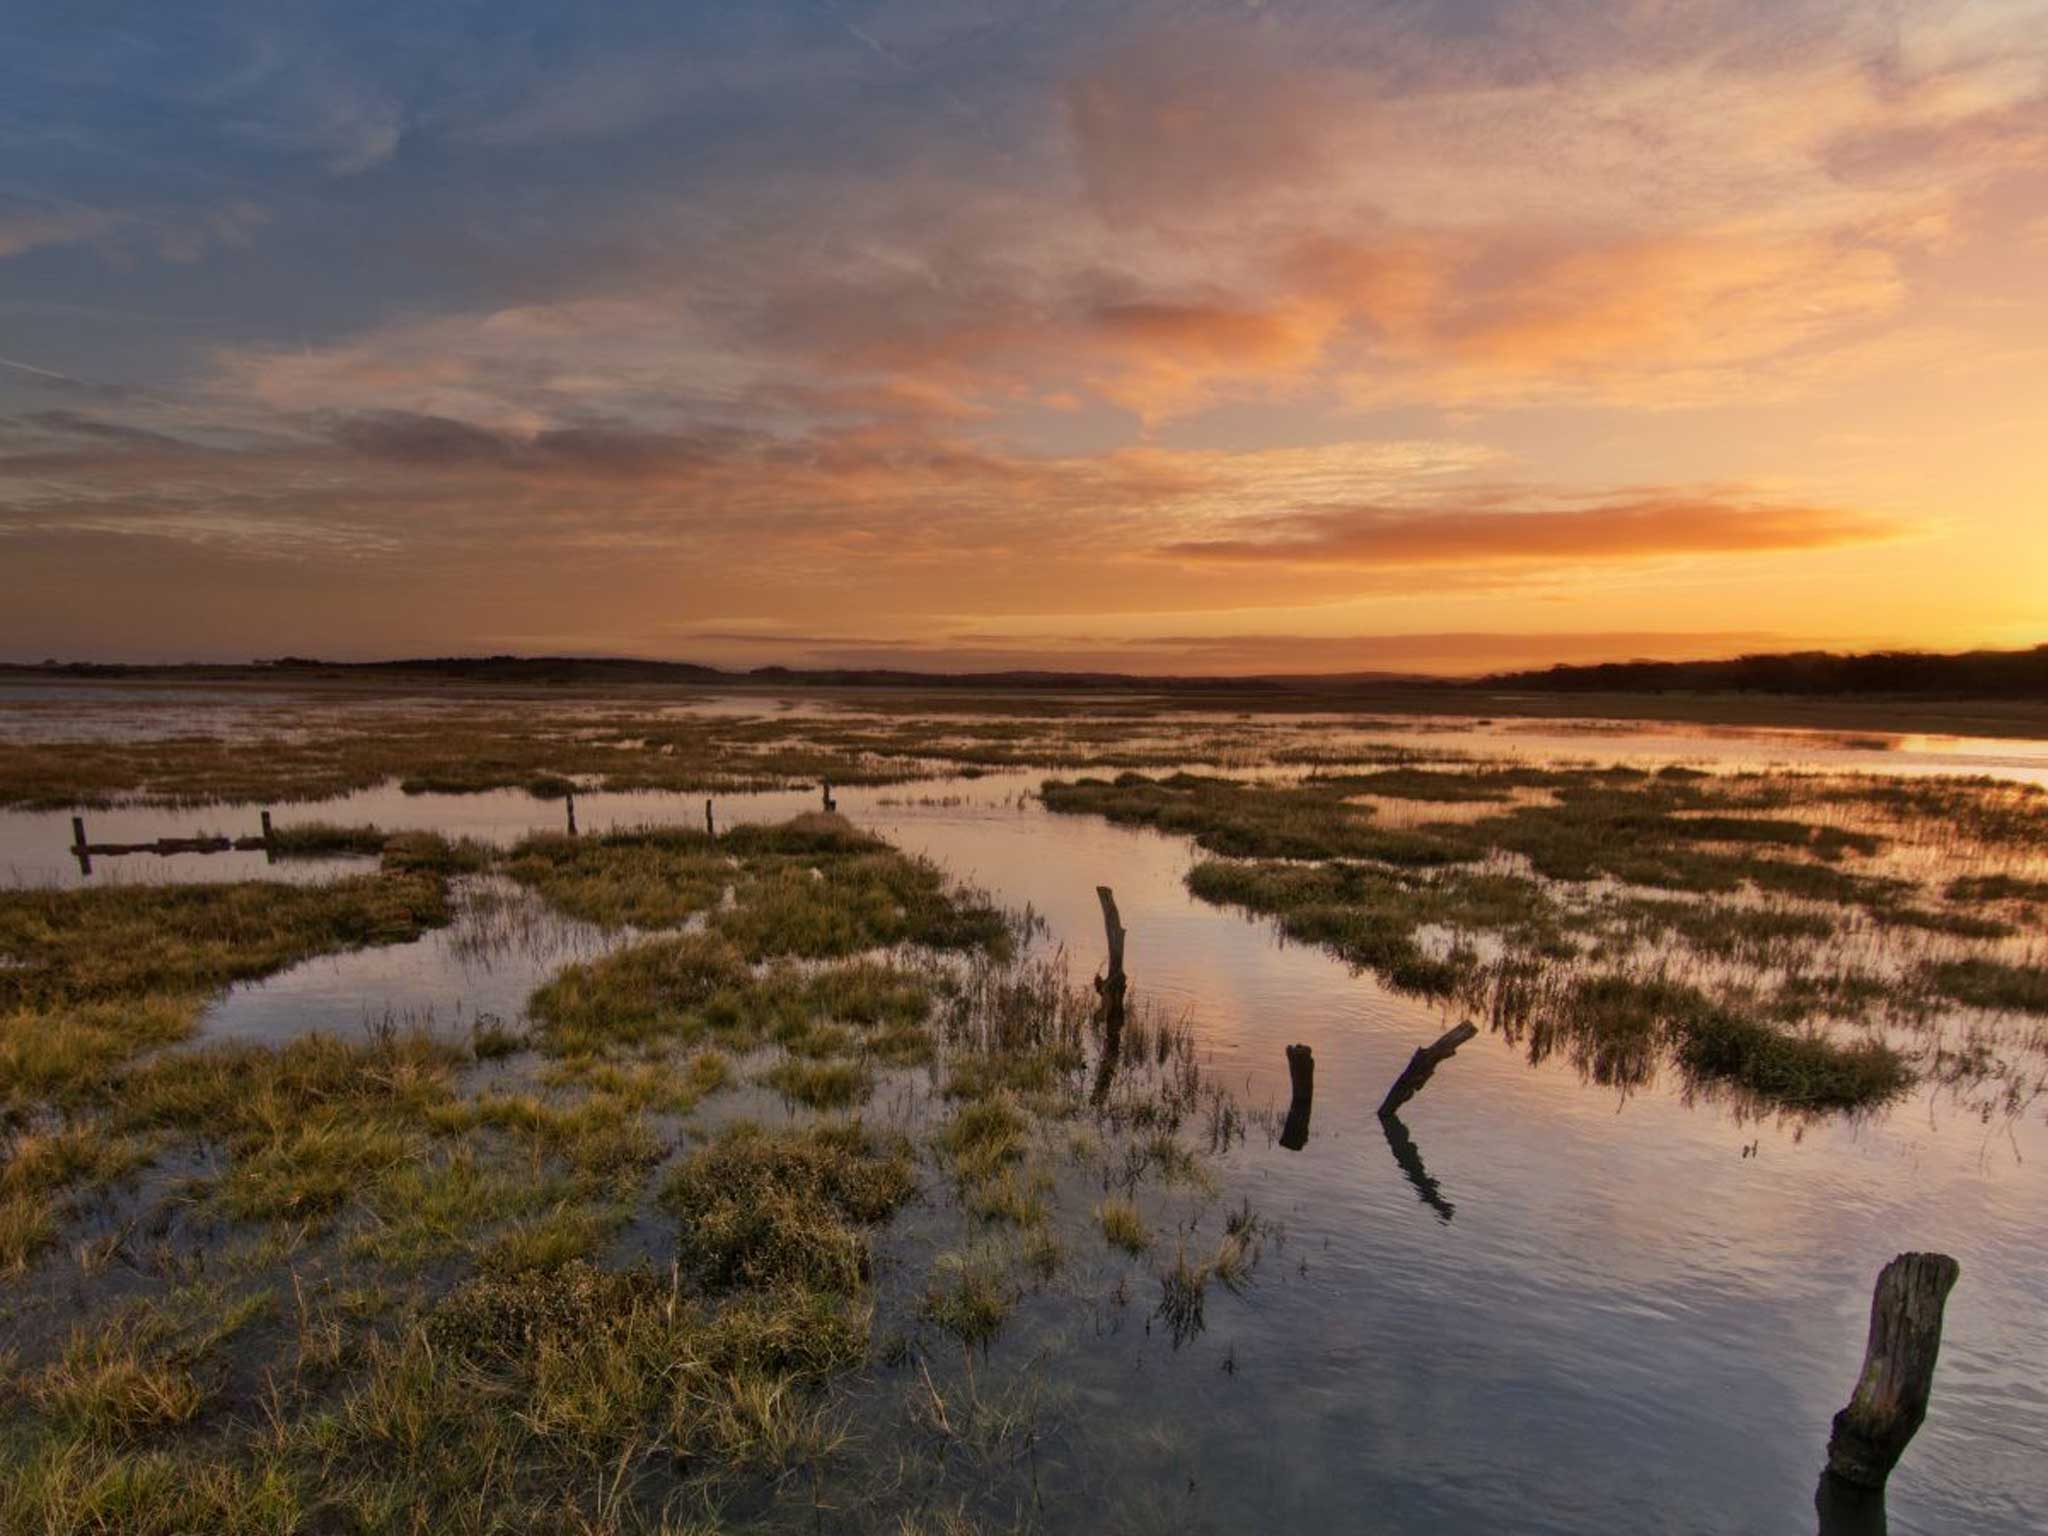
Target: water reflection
<point x="1409" y="1161"/>
<point x="1301" y="1072"/>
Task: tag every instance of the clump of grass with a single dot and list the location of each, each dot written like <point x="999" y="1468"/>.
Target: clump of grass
<point x="1981" y="982"/>
<point x="1996" y="888"/>
<point x="111" y="1386"/>
<point x="821" y="1084"/>
<point x="1796" y="1069"/>
<point x="65" y="1483"/>
<point x="126" y="941"/>
<point x="28" y="1225"/>
<point x="1123" y="1225"/>
<point x="982" y="1138"/>
<point x="1183" y="1295"/>
<point x="565" y="1234"/>
<point x="492" y="1039"/>
<point x="326" y="839"/>
<point x="313" y="1168"/>
<point x="647" y="878"/>
<point x="969" y="1296"/>
<point x="68" y="1053"/>
<point x="662" y="990"/>
<point x="760" y="1208"/>
<point x="842" y="905"/>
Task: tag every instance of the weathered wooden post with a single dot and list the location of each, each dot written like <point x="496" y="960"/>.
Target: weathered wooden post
<point x="1301" y="1073"/>
<point x="709" y="830"/>
<point x="79" y="850"/>
<point x="1112" y="985"/>
<point x="830" y="803"/>
<point x="1871" y="1434"/>
<point x="1423" y="1063"/>
<point x="78" y="831"/>
<point x="269" y="847"/>
<point x="570" y="801"/>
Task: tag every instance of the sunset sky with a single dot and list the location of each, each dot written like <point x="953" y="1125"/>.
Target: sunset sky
<point x="1161" y="337"/>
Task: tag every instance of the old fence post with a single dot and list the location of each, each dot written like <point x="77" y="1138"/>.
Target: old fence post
<point x="269" y="847"/>
<point x="570" y="800"/>
<point x="1423" y="1063"/>
<point x="1871" y="1434"/>
<point x="830" y="803"/>
<point x="709" y="830"/>
<point x="79" y="850"/>
<point x="1112" y="985"/>
<point x="1301" y="1074"/>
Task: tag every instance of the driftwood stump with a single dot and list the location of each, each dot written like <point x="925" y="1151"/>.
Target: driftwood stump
<point x="1301" y="1073"/>
<point x="1871" y="1434"/>
<point x="1112" y="983"/>
<point x="1422" y="1064"/>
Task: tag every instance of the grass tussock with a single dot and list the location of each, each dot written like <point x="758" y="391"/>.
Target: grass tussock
<point x="1123" y="1225"/>
<point x="760" y="1209"/>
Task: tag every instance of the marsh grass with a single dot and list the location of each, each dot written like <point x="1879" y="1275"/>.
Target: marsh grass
<point x="1541" y="912"/>
<point x="1123" y="1225"/>
<point x="326" y="839"/>
<point x="970" y="1296"/>
<point x="760" y="1209"/>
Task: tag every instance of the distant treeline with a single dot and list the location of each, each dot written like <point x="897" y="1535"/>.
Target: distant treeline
<point x="1970" y="675"/>
<point x="2019" y="675"/>
<point x="559" y="670"/>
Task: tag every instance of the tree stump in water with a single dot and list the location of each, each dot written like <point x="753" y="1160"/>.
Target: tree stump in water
<point x="1301" y="1072"/>
<point x="1423" y="1063"/>
<point x="1871" y="1434"/>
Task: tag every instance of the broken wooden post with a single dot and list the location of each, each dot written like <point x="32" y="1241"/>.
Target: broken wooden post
<point x="1871" y="1434"/>
<point x="1423" y="1063"/>
<point x="1112" y="985"/>
<point x="1301" y="1072"/>
<point x="570" y="801"/>
<point x="709" y="830"/>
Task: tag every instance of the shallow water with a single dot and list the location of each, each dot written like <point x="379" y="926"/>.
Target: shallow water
<point x="1556" y="1309"/>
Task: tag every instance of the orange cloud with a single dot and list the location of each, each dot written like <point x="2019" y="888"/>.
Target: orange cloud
<point x="1637" y="528"/>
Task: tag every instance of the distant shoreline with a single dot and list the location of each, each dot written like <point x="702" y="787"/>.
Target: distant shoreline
<point x="1557" y="694"/>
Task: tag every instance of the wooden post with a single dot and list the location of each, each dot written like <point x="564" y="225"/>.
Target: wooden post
<point x="709" y="830"/>
<point x="269" y="848"/>
<point x="79" y="850"/>
<point x="78" y="831"/>
<point x="830" y="803"/>
<point x="1301" y="1072"/>
<point x="570" y="800"/>
<point x="1423" y="1063"/>
<point x="1871" y="1434"/>
<point x="1112" y="985"/>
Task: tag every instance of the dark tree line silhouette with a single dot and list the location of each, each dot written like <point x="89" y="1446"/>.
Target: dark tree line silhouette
<point x="1971" y="674"/>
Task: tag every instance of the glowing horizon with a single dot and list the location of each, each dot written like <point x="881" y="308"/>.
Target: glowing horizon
<point x="1167" y="338"/>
